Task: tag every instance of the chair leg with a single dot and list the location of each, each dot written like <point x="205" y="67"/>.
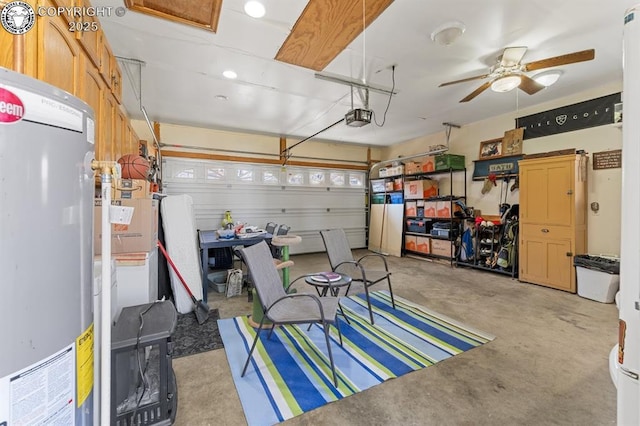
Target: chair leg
<point x="253" y="346"/>
<point x="333" y="367"/>
<point x="343" y="314"/>
<point x="273" y="325"/>
<point x="338" y="327"/>
<point x="393" y="302"/>
<point x="366" y="292"/>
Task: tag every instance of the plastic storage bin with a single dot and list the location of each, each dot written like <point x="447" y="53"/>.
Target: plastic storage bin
<point x="598" y="278"/>
<point x="219" y="280"/>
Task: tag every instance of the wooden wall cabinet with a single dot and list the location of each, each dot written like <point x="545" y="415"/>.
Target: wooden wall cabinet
<point x="80" y="63"/>
<point x="553" y="219"/>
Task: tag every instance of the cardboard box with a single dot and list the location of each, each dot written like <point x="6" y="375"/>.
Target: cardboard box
<point x="430" y="208"/>
<point x="420" y="189"/>
<point x="397" y="184"/>
<point x="410" y="242"/>
<point x="443" y="209"/>
<point x="412" y="167"/>
<point x="139" y="236"/>
<point x="410" y="209"/>
<point x="429" y="164"/>
<point x="423" y="245"/>
<point x="132" y="188"/>
<point x="441" y="248"/>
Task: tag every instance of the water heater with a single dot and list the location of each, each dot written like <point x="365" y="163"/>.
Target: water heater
<point x="46" y="254"/>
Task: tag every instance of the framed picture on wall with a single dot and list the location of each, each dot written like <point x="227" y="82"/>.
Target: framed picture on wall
<point x="490" y="149"/>
<point x="512" y="141"/>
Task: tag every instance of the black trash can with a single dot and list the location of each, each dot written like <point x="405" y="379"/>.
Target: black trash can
<point x="598" y="278"/>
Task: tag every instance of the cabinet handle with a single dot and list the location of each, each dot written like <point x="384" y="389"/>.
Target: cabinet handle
<point x="569" y="254"/>
<point x="545" y="230"/>
<point x="570" y="192"/>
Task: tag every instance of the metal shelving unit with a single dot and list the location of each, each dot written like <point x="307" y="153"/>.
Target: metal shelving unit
<point x="454" y="222"/>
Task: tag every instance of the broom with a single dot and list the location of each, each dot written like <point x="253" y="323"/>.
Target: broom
<point x="200" y="308"/>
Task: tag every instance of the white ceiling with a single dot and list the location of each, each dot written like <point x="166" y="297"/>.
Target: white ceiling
<point x="183" y="65"/>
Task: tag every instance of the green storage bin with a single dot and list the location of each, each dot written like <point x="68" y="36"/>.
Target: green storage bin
<point x="377" y="199"/>
<point x="449" y="161"/>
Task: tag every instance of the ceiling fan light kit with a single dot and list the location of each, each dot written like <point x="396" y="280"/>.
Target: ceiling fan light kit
<point x="506" y="83"/>
<point x="448" y="33"/>
<point x="509" y="72"/>
<point x="548" y="78"/>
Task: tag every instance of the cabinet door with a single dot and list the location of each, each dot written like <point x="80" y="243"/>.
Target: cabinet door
<point x="89" y="40"/>
<point x="544" y="261"/>
<point x="91" y="91"/>
<point x="120" y="137"/>
<point x="8" y="46"/>
<point x="58" y="54"/>
<point x="546" y="191"/>
<point x="560" y="271"/>
<point x="107" y="124"/>
<point x="116" y="78"/>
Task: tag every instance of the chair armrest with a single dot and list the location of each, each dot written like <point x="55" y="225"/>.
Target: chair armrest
<point x="355" y="263"/>
<point x="281" y="265"/>
<point x="376" y="255"/>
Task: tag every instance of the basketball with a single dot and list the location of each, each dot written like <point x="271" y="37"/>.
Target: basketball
<point x="134" y="166"/>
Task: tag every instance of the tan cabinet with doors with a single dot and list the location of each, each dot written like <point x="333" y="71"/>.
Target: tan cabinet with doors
<point x="553" y="219"/>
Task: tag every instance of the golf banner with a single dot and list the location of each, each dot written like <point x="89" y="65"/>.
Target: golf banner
<point x="591" y="113"/>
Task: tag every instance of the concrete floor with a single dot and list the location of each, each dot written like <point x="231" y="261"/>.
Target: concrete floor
<point x="547" y="366"/>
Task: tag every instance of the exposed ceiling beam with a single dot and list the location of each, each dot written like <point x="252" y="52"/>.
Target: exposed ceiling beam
<point x="325" y="28"/>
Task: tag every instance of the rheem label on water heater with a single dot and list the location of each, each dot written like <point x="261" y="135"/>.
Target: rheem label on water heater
<point x="11" y="107"/>
<point x="38" y="109"/>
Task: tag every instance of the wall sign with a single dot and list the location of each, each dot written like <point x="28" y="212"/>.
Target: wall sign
<point x="607" y="159"/>
<point x="591" y="113"/>
<point x="502" y="166"/>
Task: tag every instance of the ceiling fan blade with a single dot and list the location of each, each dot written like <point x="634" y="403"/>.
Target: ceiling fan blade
<point x="569" y="58"/>
<point x="529" y="85"/>
<point x="465" y="79"/>
<point x="476" y="92"/>
<point x="512" y="56"/>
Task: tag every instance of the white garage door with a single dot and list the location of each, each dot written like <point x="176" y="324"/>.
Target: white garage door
<point x="306" y="199"/>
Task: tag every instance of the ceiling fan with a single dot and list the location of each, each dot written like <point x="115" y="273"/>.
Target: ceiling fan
<point x="509" y="73"/>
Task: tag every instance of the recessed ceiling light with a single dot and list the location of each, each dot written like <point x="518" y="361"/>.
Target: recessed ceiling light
<point x="230" y="74"/>
<point x="448" y="32"/>
<point x="221" y="97"/>
<point x="506" y="83"/>
<point x="254" y="8"/>
<point x="547" y="78"/>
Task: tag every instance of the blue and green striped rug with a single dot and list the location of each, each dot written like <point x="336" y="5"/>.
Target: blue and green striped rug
<point x="290" y="373"/>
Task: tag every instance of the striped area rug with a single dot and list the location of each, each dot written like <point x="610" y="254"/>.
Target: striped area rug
<point x="290" y="373"/>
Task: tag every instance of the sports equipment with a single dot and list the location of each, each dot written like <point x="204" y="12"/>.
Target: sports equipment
<point x="134" y="166"/>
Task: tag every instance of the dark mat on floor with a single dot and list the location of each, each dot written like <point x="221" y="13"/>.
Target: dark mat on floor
<point x="191" y="338"/>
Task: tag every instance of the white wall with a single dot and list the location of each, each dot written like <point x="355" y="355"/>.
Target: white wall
<point x="603" y="185"/>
